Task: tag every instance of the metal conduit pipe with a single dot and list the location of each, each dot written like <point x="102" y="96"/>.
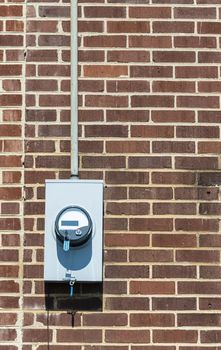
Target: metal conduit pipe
<point x="74" y="88"/>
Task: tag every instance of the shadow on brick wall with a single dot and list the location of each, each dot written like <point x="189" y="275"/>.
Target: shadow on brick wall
<point x="86" y="297"/>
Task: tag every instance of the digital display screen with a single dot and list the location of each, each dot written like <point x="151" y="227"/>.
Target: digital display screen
<point x="69" y="223"/>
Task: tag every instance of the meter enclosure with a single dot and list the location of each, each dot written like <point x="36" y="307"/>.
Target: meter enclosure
<point x="74" y="230"/>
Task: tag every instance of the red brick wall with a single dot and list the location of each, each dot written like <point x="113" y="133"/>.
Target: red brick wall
<point x="149" y="111"/>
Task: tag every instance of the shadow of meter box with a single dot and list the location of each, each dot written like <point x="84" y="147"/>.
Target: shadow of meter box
<point x="74" y="230"/>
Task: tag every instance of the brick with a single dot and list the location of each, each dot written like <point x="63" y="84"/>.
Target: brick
<point x="8" y="319"/>
<point x="11" y="85"/>
<point x="209" y="303"/>
<point x="196" y="163"/>
<point x="14" y="26"/>
<point x="87" y="26"/>
<point x="106" y="101"/>
<point x="128" y="56"/>
<point x="150" y="41"/>
<point x="39" y="146"/>
<point x="195" y="41"/>
<point x="198" y="101"/>
<point x="9" y="303"/>
<point x="11" y="40"/>
<point x="149" y="162"/>
<point x="128" y="27"/>
<point x="10" y="271"/>
<point x="128" y="86"/>
<point x="151" y="320"/>
<point x="79" y="336"/>
<point x="150" y="193"/>
<point x="53" y="40"/>
<point x="197" y="131"/>
<point x="149" y="12"/>
<point x="115" y="287"/>
<point x="54" y="11"/>
<point x="115" y="255"/>
<point x="210" y="241"/>
<point x="106" y="131"/>
<point x="199" y="12"/>
<point x="127" y="147"/>
<point x="175" y="271"/>
<point x="8" y="334"/>
<point x="114" y="193"/>
<point x="113" y="224"/>
<point x="10" y="11"/>
<point x="105" y="319"/>
<point x="209" y="147"/>
<point x="53" y="162"/>
<point x="173" y="147"/>
<point x="153" y="101"/>
<point x="125" y="271"/>
<point x="173" y="56"/>
<point x="210" y="87"/>
<point x="87" y="56"/>
<point x="150" y="72"/>
<point x="90" y="86"/>
<point x="208" y="27"/>
<point x="125" y="336"/>
<point x="209" y="179"/>
<point x="174" y="240"/>
<point x="103" y="162"/>
<point x="173" y="27"/>
<point x="10" y="70"/>
<point x="150" y="255"/>
<point x="8" y="255"/>
<point x="54" y="100"/>
<point x="209" y="57"/>
<point x="199" y="287"/>
<point x="210" y="209"/>
<point x="36" y="335"/>
<point x="37" y="55"/>
<point x="210" y="336"/>
<point x="186" y="178"/>
<point x="33" y="271"/>
<point x="176" y="304"/>
<point x="127" y="240"/>
<point x="105" y="41"/>
<point x="153" y="287"/>
<point x="174" y="336"/>
<point x="10" y="100"/>
<point x="104" y="11"/>
<point x="173" y="86"/>
<point x="127" y="115"/>
<point x="203" y="256"/>
<point x="123" y="177"/>
<point x="105" y="71"/>
<point x="196" y="72"/>
<point x="165" y="116"/>
<point x="54" y="70"/>
<point x="152" y="131"/>
<point x="210" y="272"/>
<point x="41" y="85"/>
<point x="196" y="225"/>
<point x="9" y="287"/>
<point x="42" y="26"/>
<point x="143" y="224"/>
<point x="129" y="208"/>
<point x="127" y="303"/>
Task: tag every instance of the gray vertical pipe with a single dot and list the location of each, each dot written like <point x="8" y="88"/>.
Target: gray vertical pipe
<point x="74" y="88"/>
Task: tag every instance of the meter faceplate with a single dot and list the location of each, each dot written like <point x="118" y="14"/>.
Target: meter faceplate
<point x="73" y="224"/>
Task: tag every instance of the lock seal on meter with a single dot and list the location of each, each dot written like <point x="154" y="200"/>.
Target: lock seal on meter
<point x="73" y="224"/>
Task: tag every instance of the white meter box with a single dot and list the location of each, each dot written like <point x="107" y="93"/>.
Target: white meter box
<point x="74" y="230"/>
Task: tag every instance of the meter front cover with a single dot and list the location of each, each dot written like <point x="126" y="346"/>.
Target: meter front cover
<point x="74" y="230"/>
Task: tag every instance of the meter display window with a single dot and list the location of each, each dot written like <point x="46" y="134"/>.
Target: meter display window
<point x="73" y="226"/>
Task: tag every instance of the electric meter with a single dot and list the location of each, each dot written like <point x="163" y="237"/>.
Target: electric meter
<point x="73" y="230"/>
<point x="73" y="226"/>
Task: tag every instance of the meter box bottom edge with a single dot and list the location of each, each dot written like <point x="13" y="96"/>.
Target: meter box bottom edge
<point x="74" y="231"/>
